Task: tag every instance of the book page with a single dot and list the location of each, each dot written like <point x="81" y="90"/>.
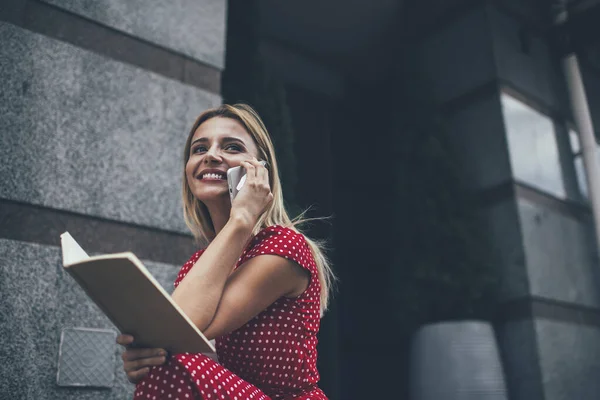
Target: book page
<point x="72" y="253"/>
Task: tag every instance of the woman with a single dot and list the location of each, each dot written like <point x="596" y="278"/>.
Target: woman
<point x="259" y="288"/>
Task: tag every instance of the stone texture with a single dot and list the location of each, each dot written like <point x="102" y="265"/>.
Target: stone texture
<point x="38" y="300"/>
<point x="83" y="133"/>
<point x="192" y="27"/>
<point x="458" y="58"/>
<point x="569" y="359"/>
<point x="561" y="262"/>
<point x="480" y="143"/>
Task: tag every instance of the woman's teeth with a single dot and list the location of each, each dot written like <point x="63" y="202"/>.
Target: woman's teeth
<point x="212" y="176"/>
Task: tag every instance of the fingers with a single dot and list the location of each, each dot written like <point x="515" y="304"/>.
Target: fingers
<point x="124" y="340"/>
<point x="136" y="365"/>
<point x="136" y="376"/>
<point x="138" y="361"/>
<point x="262" y="172"/>
<point x="254" y="168"/>
<point x="256" y="194"/>
<point x="136" y="354"/>
<point x="250" y="168"/>
<point x="133" y="353"/>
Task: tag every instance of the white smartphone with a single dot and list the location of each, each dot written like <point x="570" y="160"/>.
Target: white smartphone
<point x="236" y="177"/>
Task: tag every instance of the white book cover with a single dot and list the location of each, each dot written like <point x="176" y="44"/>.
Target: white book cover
<point x="133" y="299"/>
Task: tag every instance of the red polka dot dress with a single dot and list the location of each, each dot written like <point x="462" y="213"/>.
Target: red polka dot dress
<point x="273" y="356"/>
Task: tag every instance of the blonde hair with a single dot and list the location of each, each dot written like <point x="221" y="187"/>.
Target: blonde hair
<point x="196" y="214"/>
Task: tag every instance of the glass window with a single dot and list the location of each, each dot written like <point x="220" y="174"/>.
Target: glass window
<point x="532" y="146"/>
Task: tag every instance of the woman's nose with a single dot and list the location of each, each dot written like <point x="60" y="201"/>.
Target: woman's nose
<point x="212" y="155"/>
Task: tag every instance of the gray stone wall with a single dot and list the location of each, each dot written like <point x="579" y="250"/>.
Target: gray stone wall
<point x="97" y="101"/>
<point x="106" y="137"/>
<point x="195" y="28"/>
<point x="37" y="301"/>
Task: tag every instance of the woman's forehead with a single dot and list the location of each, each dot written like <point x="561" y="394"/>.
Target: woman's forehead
<point x="218" y="127"/>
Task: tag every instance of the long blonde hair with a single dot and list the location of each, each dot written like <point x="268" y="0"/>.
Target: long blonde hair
<point x="196" y="214"/>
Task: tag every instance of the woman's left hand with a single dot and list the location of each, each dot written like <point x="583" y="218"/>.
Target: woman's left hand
<point x="137" y="362"/>
<point x="255" y="196"/>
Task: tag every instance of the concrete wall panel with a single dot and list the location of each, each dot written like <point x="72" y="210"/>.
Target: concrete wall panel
<point x="86" y="134"/>
<point x="192" y="27"/>
<point x="569" y="359"/>
<point x="561" y="261"/>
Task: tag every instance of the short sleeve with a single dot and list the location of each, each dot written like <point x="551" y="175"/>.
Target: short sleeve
<point x="187" y="266"/>
<point x="286" y="243"/>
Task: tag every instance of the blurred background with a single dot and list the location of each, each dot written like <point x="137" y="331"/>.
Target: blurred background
<point x="438" y="135"/>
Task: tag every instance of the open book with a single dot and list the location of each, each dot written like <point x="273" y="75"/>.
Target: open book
<point x="133" y="300"/>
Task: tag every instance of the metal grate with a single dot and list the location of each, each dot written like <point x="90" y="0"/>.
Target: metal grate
<point x="86" y="357"/>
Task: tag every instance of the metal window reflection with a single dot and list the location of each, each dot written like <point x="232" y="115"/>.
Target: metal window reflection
<point x="532" y="147"/>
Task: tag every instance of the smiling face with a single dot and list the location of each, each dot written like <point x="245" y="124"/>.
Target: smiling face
<point x="217" y="145"/>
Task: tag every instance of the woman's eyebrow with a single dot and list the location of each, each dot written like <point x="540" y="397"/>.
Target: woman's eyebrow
<point x="233" y="139"/>
<point x="199" y="140"/>
<point x="225" y="139"/>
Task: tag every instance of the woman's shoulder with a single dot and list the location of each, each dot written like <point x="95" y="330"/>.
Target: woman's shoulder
<point x="282" y="241"/>
<point x="279" y="236"/>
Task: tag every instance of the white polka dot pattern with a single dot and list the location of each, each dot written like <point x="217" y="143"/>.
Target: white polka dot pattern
<point x="273" y="356"/>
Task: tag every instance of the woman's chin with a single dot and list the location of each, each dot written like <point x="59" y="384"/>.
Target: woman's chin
<point x="212" y="195"/>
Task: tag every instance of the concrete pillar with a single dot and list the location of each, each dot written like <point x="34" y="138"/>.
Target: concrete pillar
<point x="491" y="70"/>
<point x="97" y="99"/>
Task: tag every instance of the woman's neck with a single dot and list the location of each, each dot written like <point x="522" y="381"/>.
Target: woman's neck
<point x="219" y="214"/>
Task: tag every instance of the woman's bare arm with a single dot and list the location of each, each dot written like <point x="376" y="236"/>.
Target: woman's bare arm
<point x="252" y="288"/>
<point x="199" y="293"/>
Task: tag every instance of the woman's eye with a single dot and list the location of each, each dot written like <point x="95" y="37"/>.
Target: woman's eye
<point x="233" y="147"/>
<point x="198" y="149"/>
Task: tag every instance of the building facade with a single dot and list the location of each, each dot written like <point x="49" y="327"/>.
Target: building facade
<point x="494" y="70"/>
<point x="97" y="98"/>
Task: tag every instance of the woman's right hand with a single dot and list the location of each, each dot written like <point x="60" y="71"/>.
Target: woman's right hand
<point x="137" y="361"/>
<point x="255" y="196"/>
